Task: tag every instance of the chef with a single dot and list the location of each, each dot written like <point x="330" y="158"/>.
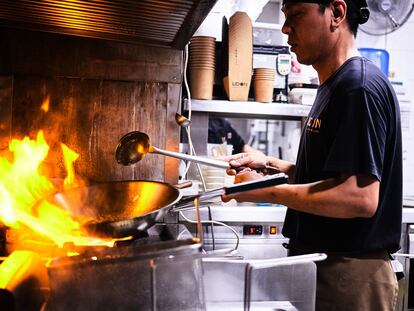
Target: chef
<point x="344" y="195"/>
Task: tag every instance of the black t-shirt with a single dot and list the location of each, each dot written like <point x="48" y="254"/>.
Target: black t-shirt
<point x="353" y="128"/>
<point x="220" y="130"/>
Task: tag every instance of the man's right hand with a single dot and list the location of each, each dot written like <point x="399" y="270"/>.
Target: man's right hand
<point x="260" y="162"/>
<point x="254" y="160"/>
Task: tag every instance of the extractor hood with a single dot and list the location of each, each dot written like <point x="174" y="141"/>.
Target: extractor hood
<point x="168" y="23"/>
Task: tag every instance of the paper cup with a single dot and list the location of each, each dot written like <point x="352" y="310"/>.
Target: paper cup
<point x="201" y="83"/>
<point x="263" y="90"/>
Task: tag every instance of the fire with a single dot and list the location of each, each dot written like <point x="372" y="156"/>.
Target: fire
<point x="22" y="185"/>
<point x="46" y="104"/>
<point x="69" y="157"/>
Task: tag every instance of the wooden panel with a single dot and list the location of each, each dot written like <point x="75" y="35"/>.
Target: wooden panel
<point x="90" y="116"/>
<point x="172" y="133"/>
<point x="35" y="53"/>
<point x="6" y="91"/>
<point x="73" y="103"/>
<point x="134" y="107"/>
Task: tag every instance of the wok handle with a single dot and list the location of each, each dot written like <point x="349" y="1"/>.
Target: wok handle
<point x="184" y="184"/>
<point x="267" y="181"/>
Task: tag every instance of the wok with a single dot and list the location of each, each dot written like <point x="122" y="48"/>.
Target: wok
<point x="124" y="208"/>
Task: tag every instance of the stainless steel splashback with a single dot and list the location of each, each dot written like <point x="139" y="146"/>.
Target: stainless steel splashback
<point x="159" y="22"/>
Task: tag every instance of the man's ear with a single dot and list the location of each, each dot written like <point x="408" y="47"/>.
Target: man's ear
<point x="338" y="8"/>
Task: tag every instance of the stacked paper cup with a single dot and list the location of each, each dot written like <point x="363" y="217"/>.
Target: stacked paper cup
<point x="263" y="82"/>
<point x="202" y="63"/>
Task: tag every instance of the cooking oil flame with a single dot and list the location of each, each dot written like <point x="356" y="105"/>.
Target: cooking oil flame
<point x="69" y="157"/>
<point x="22" y="185"/>
<point x="45" y="104"/>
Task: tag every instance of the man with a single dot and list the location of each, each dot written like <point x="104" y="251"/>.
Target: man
<point x="220" y="130"/>
<point x="344" y="195"/>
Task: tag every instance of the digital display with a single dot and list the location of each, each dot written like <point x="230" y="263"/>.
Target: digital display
<point x="252" y="230"/>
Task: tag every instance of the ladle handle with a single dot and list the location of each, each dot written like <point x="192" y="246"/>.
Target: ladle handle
<point x="201" y="160"/>
<point x="210" y="162"/>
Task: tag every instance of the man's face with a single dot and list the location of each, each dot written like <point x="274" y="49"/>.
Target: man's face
<point x="308" y="30"/>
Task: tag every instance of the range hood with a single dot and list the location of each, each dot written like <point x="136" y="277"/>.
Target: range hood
<point x="169" y="23"/>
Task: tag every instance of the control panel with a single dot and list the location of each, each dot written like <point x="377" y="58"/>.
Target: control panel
<point x="261" y="230"/>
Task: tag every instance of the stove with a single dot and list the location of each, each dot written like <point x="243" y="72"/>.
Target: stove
<point x="153" y="271"/>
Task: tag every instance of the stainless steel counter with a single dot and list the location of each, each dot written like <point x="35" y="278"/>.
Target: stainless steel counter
<point x="253" y="213"/>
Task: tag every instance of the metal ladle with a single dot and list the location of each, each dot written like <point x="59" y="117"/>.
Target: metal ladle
<point x="133" y="146"/>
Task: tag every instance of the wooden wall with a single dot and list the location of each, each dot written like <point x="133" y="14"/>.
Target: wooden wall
<point x="97" y="91"/>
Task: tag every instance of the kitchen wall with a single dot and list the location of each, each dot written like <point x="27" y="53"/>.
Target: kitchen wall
<point x="96" y="91"/>
<point x="400" y="46"/>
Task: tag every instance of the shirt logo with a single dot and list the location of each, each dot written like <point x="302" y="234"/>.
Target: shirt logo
<point x="313" y="125"/>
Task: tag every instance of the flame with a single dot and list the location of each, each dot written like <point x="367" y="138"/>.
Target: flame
<point x="69" y="157"/>
<point x="22" y="185"/>
<point x="46" y="103"/>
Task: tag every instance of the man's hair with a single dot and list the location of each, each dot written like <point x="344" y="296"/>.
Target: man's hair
<point x="353" y="14"/>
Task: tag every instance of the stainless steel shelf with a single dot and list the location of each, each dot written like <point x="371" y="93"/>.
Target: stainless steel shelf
<point x="249" y="109"/>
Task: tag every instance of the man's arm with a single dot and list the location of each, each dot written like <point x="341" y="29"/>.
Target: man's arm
<point x="343" y="197"/>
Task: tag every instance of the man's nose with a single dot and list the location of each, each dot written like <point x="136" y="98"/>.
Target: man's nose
<point x="286" y="29"/>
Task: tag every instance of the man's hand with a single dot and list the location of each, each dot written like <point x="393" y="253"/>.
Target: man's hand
<point x="245" y="175"/>
<point x="254" y="160"/>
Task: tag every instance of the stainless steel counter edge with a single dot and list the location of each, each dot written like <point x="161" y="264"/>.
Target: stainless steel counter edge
<point x="252" y="214"/>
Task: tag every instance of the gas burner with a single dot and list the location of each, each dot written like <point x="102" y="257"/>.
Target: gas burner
<point x="157" y="233"/>
<point x="130" y="262"/>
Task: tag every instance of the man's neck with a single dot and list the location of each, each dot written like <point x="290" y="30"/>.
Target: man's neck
<point x="342" y="51"/>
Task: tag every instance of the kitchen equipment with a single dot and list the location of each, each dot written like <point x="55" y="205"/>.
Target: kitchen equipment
<point x="286" y="284"/>
<point x="159" y="276"/>
<point x="119" y="209"/>
<point x="205" y="197"/>
<point x="133" y="146"/>
<point x="385" y="16"/>
<point x="259" y="227"/>
<point x="182" y="120"/>
<point x="156" y="22"/>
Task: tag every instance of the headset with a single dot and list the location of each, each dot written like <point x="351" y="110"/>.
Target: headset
<point x="363" y="12"/>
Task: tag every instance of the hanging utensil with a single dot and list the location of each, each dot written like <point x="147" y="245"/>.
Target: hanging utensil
<point x="133" y="147"/>
<point x="181" y="120"/>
